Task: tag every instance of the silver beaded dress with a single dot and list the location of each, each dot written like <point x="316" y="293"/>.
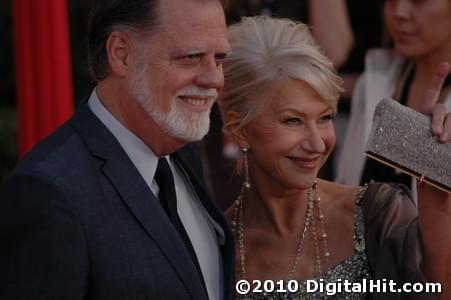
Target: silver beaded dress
<point x="354" y="269"/>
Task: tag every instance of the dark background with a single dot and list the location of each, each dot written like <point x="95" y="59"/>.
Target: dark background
<point x="78" y="16"/>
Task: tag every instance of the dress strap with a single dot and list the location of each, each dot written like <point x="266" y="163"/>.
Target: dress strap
<point x="359" y="223"/>
<point x="406" y="85"/>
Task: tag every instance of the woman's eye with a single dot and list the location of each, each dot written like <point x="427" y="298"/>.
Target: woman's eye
<point x="292" y="121"/>
<point x="327" y="118"/>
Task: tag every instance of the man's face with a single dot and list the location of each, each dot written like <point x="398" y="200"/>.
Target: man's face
<point x="176" y="73"/>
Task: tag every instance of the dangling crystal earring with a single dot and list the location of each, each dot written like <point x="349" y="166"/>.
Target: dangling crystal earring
<point x="246" y="183"/>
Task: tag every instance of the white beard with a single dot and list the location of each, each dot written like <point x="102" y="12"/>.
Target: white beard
<point x="179" y="122"/>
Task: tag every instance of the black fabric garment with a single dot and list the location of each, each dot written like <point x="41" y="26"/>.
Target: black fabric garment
<point x="378" y="172"/>
<point x="168" y="198"/>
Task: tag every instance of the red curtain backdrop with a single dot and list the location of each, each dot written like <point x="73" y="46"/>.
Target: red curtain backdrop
<point x="43" y="69"/>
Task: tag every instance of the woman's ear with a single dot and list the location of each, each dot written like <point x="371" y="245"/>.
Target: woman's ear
<point x="239" y="135"/>
<point x="118" y="50"/>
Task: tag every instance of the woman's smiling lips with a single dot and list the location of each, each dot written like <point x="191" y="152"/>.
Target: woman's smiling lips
<point x="305" y="163"/>
<point x="403" y="35"/>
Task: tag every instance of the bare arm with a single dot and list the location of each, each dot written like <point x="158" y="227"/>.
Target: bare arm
<point x="331" y="27"/>
<point x="434" y="206"/>
<point x="434" y="209"/>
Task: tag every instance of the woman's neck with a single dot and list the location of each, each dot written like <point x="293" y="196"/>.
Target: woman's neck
<point x="425" y="69"/>
<point x="426" y="65"/>
<point x="282" y="212"/>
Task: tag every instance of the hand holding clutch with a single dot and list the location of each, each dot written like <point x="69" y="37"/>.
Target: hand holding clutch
<point x="402" y="138"/>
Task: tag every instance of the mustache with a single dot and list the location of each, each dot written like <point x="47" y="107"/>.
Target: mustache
<point x="197" y="92"/>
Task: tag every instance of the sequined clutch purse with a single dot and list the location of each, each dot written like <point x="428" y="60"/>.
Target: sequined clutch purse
<point x="401" y="138"/>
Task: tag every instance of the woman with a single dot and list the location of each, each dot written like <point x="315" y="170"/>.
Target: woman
<point x="278" y="104"/>
<point x="421" y="34"/>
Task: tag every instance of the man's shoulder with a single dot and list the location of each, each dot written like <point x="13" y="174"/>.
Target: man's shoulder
<point x="49" y="171"/>
<point x="65" y="148"/>
<point x="56" y="149"/>
<point x="57" y="156"/>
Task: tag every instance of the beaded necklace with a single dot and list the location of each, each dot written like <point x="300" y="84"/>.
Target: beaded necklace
<point x="313" y="205"/>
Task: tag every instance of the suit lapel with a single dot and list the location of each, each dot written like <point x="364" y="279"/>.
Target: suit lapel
<point x="227" y="250"/>
<point x="138" y="197"/>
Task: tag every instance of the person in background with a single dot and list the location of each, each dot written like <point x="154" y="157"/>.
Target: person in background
<point x="328" y="19"/>
<point x="278" y="103"/>
<point x="421" y="34"/>
<point x="112" y="205"/>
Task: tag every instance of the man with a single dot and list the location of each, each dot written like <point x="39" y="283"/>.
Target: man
<point x="93" y="212"/>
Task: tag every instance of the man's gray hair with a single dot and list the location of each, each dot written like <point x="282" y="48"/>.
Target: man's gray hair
<point x="107" y="16"/>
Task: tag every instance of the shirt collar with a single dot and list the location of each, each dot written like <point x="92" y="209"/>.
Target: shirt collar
<point x="139" y="153"/>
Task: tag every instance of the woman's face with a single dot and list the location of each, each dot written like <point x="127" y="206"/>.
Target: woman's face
<point x="291" y="138"/>
<point x="419" y="27"/>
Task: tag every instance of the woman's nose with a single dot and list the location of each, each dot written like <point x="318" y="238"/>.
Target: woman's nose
<point x="402" y="9"/>
<point x="314" y="142"/>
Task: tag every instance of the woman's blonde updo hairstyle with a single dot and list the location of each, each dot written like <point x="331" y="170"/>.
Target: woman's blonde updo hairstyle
<point x="266" y="50"/>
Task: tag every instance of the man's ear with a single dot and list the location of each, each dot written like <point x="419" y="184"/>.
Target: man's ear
<point x="239" y="135"/>
<point x="118" y="46"/>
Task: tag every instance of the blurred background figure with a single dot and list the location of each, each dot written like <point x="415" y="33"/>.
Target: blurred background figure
<point x="329" y="20"/>
<point x="421" y="35"/>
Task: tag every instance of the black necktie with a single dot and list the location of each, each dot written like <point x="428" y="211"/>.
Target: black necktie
<point x="168" y="199"/>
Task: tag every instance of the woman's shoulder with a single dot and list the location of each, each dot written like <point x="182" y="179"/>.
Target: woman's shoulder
<point x="380" y="192"/>
<point x="338" y="190"/>
<point x="343" y="196"/>
<point x="380" y="58"/>
<point x="388" y="203"/>
<point x="385" y="206"/>
<point x="382" y="65"/>
<point x="372" y="197"/>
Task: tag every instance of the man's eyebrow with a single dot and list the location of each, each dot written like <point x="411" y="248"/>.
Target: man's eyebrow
<point x="227" y="51"/>
<point x="199" y="50"/>
<point x="182" y="51"/>
<point x="194" y="51"/>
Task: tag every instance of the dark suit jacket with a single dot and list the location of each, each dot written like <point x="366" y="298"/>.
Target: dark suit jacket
<point x="77" y="221"/>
